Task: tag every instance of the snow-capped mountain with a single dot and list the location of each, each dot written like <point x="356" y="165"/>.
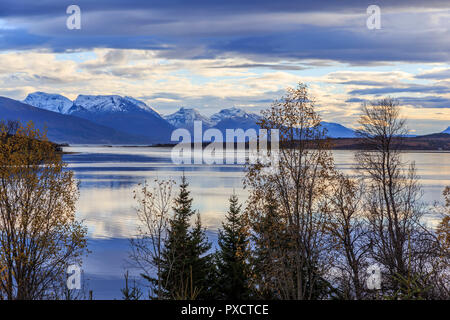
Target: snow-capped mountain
<point x="110" y="104"/>
<point x="336" y="130"/>
<point x="96" y="104"/>
<point x="232" y="113"/>
<point x="64" y="128"/>
<point x="50" y="102"/>
<point x="185" y="117"/>
<point x="134" y="117"/>
<point x="91" y="103"/>
<point x="141" y="104"/>
<point x="125" y="114"/>
<point x="234" y="118"/>
<point x="446" y="130"/>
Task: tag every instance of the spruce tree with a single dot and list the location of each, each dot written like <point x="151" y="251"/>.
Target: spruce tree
<point x="201" y="261"/>
<point x="184" y="266"/>
<point x="232" y="264"/>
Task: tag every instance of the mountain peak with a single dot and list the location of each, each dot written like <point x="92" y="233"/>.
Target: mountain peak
<point x="64" y="128"/>
<point x="232" y="112"/>
<point x="185" y="117"/>
<point x="111" y="104"/>
<point x="91" y="103"/>
<point x="100" y="103"/>
<point x="49" y="101"/>
<point x="336" y="130"/>
<point x="141" y="104"/>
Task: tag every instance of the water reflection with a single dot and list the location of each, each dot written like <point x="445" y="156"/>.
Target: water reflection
<point x="108" y="176"/>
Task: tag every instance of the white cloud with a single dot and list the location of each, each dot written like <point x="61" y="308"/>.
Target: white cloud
<point x="206" y="84"/>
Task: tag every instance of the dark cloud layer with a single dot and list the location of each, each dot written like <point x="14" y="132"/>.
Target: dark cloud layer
<point x="207" y="29"/>
<point x="418" y="102"/>
<point x="438" y="75"/>
<point x="48" y="7"/>
<point x="412" y="88"/>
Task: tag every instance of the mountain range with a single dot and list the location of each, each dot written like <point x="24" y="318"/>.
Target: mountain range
<point x="124" y="114"/>
<point x="233" y="118"/>
<point x="113" y="119"/>
<point x="64" y="128"/>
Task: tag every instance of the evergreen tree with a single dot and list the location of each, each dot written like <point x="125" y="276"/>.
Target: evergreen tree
<point x="232" y="264"/>
<point x="201" y="262"/>
<point x="185" y="266"/>
<point x="174" y="269"/>
<point x="130" y="292"/>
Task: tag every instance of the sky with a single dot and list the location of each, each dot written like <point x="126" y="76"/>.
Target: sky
<point x="212" y="55"/>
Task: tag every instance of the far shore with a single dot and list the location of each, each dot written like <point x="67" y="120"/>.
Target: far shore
<point x="434" y="142"/>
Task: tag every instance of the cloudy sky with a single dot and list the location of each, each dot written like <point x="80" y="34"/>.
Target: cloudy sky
<point x="215" y="54"/>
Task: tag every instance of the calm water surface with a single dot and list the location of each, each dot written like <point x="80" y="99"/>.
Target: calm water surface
<point x="108" y="176"/>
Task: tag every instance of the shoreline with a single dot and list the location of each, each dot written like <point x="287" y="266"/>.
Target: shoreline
<point x="434" y="142"/>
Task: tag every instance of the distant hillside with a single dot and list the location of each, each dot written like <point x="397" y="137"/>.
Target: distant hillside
<point x="437" y="141"/>
<point x="65" y="128"/>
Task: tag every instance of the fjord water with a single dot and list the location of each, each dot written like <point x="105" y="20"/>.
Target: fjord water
<point x="108" y="176"/>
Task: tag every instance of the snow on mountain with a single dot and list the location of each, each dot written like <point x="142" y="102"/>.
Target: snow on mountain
<point x="232" y="113"/>
<point x="141" y="104"/>
<point x="446" y="130"/>
<point x="234" y="118"/>
<point x="99" y="103"/>
<point x="91" y="103"/>
<point x="133" y="116"/>
<point x="64" y="128"/>
<point x="125" y="114"/>
<point x="336" y="130"/>
<point x="237" y="118"/>
<point x="111" y="104"/>
<point x="185" y="117"/>
<point x="50" y="102"/>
